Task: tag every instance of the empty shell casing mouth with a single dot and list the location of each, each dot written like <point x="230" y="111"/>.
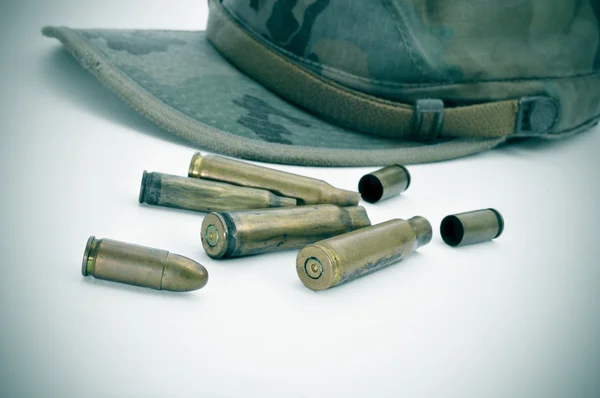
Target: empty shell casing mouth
<point x="385" y="183"/>
<point x="471" y="227"/>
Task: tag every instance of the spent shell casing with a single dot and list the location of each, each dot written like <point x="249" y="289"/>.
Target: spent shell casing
<point x="307" y="190"/>
<point x="141" y="266"/>
<point x="205" y="196"/>
<point x="244" y="233"/>
<point x="384" y="183"/>
<point x="472" y="227"/>
<point x="346" y="257"/>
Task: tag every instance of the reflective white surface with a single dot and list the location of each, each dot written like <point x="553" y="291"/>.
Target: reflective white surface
<point x="517" y="317"/>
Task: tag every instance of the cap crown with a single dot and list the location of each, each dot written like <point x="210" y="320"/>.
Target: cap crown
<point x="376" y="45"/>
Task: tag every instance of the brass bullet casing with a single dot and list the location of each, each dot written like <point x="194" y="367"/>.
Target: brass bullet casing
<point x="343" y="258"/>
<point x="141" y="266"/>
<point x="472" y="227"/>
<point x="307" y="190"/>
<point x="205" y="196"/>
<point x="384" y="183"/>
<point x="244" y="233"/>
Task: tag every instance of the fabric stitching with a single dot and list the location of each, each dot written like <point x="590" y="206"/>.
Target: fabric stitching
<point x="400" y="26"/>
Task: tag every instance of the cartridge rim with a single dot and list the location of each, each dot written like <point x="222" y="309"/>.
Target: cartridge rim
<point x="322" y="278"/>
<point x="500" y="222"/>
<point x="216" y="223"/>
<point x="143" y="187"/>
<point x="86" y="255"/>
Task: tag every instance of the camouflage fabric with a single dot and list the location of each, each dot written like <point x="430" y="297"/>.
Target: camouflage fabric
<point x="392" y="51"/>
<point x="460" y="51"/>
<point x="380" y="46"/>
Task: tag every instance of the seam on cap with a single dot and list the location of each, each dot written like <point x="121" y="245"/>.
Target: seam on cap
<point x="400" y="24"/>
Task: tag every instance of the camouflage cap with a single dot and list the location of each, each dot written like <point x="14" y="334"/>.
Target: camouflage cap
<point x="359" y="82"/>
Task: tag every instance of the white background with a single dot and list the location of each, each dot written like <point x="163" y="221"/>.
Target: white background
<point x="517" y="317"/>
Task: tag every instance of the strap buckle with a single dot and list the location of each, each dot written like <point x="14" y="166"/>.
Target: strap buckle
<point x="428" y="119"/>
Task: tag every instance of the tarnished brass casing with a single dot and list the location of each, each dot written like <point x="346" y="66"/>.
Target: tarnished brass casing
<point x="346" y="257"/>
<point x="141" y="266"/>
<point x="307" y="190"/>
<point x="243" y="233"/>
<point x="472" y="227"/>
<point x="384" y="183"/>
<point x="201" y="195"/>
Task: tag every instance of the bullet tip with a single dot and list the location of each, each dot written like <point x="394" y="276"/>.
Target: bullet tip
<point x="182" y="274"/>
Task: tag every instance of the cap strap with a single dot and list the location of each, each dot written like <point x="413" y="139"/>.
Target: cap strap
<point x="344" y="106"/>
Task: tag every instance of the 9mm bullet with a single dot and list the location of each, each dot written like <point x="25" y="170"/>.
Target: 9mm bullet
<point x="141" y="266"/>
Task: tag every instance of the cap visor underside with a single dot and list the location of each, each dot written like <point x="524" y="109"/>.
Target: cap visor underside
<point x="180" y="82"/>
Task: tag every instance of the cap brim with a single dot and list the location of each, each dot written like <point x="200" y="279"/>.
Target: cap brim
<point x="180" y="82"/>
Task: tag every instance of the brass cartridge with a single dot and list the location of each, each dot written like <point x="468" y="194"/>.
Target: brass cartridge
<point x="141" y="266"/>
<point x="384" y="183"/>
<point x="205" y="196"/>
<point x="346" y="257"/>
<point x="243" y="233"/>
<point x="472" y="227"/>
<point x="307" y="190"/>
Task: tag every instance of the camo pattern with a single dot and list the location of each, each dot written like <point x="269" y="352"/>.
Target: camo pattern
<point x="186" y="73"/>
<point x="460" y="51"/>
<point x="382" y="46"/>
